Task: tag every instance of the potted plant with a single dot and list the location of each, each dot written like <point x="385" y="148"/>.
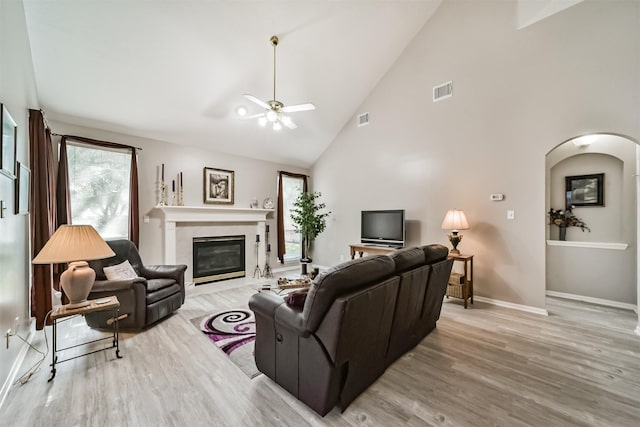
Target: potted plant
<point x="308" y="220"/>
<point x="566" y="218"/>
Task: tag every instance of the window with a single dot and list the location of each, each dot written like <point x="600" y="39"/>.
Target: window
<point x="99" y="180"/>
<point x="291" y="189"/>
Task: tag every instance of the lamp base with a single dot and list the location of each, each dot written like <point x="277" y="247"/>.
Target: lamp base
<point x="455" y="238"/>
<point x="76" y="282"/>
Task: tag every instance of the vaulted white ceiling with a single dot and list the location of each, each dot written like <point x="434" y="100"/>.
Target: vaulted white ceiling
<point x="176" y="70"/>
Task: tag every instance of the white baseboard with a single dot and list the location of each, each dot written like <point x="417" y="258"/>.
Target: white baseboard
<point x="17" y="364"/>
<point x="599" y="301"/>
<point x="527" y="308"/>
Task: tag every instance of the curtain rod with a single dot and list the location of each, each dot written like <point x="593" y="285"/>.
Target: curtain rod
<point x="294" y="173"/>
<point x="71" y="136"/>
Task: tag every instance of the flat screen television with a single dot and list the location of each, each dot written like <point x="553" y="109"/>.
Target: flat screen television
<point x="383" y="227"/>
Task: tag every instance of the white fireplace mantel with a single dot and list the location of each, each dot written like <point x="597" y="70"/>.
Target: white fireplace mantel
<point x="172" y="216"/>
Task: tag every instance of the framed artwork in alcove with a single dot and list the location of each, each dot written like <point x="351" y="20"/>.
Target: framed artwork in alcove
<point x="585" y="190"/>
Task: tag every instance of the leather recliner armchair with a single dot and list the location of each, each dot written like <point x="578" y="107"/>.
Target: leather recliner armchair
<point x="155" y="294"/>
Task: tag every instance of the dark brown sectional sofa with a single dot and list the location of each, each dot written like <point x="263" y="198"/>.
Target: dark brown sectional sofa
<point x="358" y="318"/>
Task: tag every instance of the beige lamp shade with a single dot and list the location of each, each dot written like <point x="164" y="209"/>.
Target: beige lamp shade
<point x="455" y="220"/>
<point x="73" y="243"/>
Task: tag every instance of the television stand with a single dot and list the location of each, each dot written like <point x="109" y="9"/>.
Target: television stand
<point x="361" y="248"/>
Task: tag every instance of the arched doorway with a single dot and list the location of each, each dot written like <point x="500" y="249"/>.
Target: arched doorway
<point x="600" y="265"/>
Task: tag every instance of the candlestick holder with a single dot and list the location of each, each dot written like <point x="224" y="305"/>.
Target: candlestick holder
<point x="181" y="197"/>
<point x="173" y="199"/>
<point x="257" y="273"/>
<point x="163" y="189"/>
<point x="267" y="272"/>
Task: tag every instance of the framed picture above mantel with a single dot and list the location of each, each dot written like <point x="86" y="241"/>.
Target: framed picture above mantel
<point x="218" y="186"/>
<point x="585" y="190"/>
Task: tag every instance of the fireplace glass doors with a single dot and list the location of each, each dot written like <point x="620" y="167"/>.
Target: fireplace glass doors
<point x="218" y="258"/>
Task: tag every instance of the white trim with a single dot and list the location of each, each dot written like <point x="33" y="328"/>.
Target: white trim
<point x="593" y="245"/>
<point x="15" y="368"/>
<point x="592" y="300"/>
<point x="527" y="308"/>
<point x="174" y="216"/>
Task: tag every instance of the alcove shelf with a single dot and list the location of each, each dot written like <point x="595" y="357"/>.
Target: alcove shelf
<point x="590" y="245"/>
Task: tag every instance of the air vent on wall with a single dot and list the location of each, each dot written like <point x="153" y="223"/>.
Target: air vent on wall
<point x="443" y="91"/>
<point x="363" y="119"/>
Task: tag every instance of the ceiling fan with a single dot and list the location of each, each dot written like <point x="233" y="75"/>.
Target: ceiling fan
<point x="275" y="110"/>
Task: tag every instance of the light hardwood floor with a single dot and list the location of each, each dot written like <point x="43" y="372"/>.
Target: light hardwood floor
<point x="485" y="366"/>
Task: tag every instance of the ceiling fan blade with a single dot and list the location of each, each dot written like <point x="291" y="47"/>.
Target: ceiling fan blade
<point x="253" y="116"/>
<point x="299" y="107"/>
<point x="257" y="101"/>
<point x="288" y="122"/>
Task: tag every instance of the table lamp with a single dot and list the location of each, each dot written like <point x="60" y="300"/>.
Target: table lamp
<point x="455" y="220"/>
<point x="75" y="244"/>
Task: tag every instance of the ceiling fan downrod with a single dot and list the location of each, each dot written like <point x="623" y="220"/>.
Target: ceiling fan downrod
<point x="274" y="43"/>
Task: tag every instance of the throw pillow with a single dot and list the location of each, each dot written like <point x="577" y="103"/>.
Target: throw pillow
<point x="121" y="271"/>
<point x="297" y="298"/>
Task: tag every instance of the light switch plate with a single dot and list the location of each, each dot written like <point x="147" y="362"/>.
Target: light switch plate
<point x="511" y="214"/>
<point x="496" y="197"/>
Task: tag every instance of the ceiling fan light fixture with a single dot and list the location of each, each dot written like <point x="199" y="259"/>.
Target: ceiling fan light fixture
<point x="286" y="120"/>
<point x="241" y="111"/>
<point x="277" y="126"/>
<point x="272" y="116"/>
<point x="262" y="121"/>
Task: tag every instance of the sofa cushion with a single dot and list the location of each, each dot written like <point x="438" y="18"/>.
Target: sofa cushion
<point x="434" y="253"/>
<point x="158" y="289"/>
<point x="407" y="258"/>
<point x="341" y="279"/>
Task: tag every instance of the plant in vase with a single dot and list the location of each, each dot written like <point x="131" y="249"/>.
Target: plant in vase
<point x="308" y="220"/>
<point x="565" y="218"/>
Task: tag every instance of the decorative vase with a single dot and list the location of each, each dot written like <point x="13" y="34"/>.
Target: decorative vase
<point x="562" y="234"/>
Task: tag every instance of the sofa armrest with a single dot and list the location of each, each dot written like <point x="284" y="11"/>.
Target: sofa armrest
<point x="271" y="306"/>
<point x="265" y="303"/>
<point x="291" y="318"/>
<point x="116" y="285"/>
<point x="175" y="272"/>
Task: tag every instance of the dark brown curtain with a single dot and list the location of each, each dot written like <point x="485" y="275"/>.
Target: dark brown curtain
<point x="43" y="209"/>
<point x="63" y="202"/>
<point x="134" y="219"/>
<point x="63" y="180"/>
<point x="280" y="215"/>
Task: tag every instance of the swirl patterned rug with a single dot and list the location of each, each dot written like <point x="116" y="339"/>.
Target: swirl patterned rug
<point x="234" y="332"/>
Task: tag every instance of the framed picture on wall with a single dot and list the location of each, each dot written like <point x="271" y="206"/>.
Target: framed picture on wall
<point x="218" y="186"/>
<point x="23" y="183"/>
<point x="9" y="137"/>
<point x="585" y="190"/>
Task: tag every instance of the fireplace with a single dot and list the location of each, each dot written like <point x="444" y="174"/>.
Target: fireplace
<point x="218" y="258"/>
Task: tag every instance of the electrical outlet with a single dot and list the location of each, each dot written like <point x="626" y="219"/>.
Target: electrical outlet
<point x="341" y="257"/>
<point x="511" y="214"/>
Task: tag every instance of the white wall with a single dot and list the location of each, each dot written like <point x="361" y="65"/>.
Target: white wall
<point x="255" y="179"/>
<point x="517" y="94"/>
<point x="17" y="92"/>
<point x="595" y="272"/>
